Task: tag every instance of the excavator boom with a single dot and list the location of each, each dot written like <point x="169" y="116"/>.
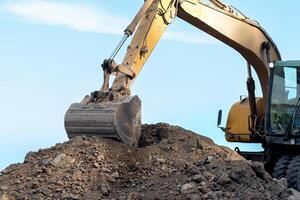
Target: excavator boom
<point x="112" y="112"/>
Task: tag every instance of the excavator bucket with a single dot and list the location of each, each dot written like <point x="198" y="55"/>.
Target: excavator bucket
<point x="119" y="119"/>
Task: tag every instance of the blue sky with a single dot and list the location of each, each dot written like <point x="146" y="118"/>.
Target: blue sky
<point x="51" y="50"/>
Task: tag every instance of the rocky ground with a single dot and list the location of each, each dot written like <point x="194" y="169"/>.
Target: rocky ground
<point x="171" y="163"/>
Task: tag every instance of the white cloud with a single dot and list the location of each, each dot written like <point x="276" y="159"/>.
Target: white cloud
<point x="84" y="18"/>
<point x="75" y="16"/>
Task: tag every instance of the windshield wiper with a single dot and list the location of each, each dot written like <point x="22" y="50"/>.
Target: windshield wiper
<point x="292" y="120"/>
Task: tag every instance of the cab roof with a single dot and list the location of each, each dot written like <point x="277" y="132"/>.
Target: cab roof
<point x="288" y="63"/>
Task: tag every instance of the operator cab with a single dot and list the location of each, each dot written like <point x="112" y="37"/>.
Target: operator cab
<point x="279" y="121"/>
<point x="283" y="112"/>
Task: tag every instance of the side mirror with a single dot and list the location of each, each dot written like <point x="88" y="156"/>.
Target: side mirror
<point x="220" y="120"/>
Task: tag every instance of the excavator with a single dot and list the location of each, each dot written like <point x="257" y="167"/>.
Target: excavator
<point x="271" y="120"/>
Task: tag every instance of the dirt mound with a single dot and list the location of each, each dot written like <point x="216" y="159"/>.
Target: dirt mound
<point x="171" y="163"/>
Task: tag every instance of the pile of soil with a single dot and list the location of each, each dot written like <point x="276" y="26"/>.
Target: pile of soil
<point x="171" y="163"/>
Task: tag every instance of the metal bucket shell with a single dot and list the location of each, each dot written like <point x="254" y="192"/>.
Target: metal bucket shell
<point x="120" y="119"/>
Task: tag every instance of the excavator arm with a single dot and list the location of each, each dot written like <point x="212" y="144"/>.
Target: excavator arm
<point x="220" y="21"/>
<point x="112" y="112"/>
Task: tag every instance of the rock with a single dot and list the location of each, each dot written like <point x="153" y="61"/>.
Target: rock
<point x="115" y="175"/>
<point x="227" y="194"/>
<point x="199" y="145"/>
<point x="210" y="195"/>
<point x="45" y="161"/>
<point x="28" y="179"/>
<point x="69" y="151"/>
<point x="97" y="165"/>
<point x="236" y="175"/>
<point x="190" y="147"/>
<point x="193" y="197"/>
<point x="105" y="189"/>
<point x="224" y="179"/>
<point x="188" y="188"/>
<point x="4" y="187"/>
<point x="135" y="196"/>
<point x="143" y="187"/>
<point x="5" y="171"/>
<point x="62" y="160"/>
<point x="294" y="195"/>
<point x="208" y="160"/>
<point x="110" y="178"/>
<point x="164" y="168"/>
<point x="253" y="196"/>
<point x="164" y="174"/>
<point x="66" y="195"/>
<point x="74" y="197"/>
<point x="35" y="185"/>
<point x="100" y="157"/>
<point x="105" y="170"/>
<point x="29" y="156"/>
<point x="131" y="167"/>
<point x="77" y="175"/>
<point x="209" y="176"/>
<point x="203" y="187"/>
<point x="282" y="182"/>
<point x="76" y="141"/>
<point x="197" y="178"/>
<point x="192" y="169"/>
<point x="160" y="160"/>
<point x="4" y="197"/>
<point x="258" y="169"/>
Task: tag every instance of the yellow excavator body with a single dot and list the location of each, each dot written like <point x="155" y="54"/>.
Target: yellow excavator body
<point x="238" y="126"/>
